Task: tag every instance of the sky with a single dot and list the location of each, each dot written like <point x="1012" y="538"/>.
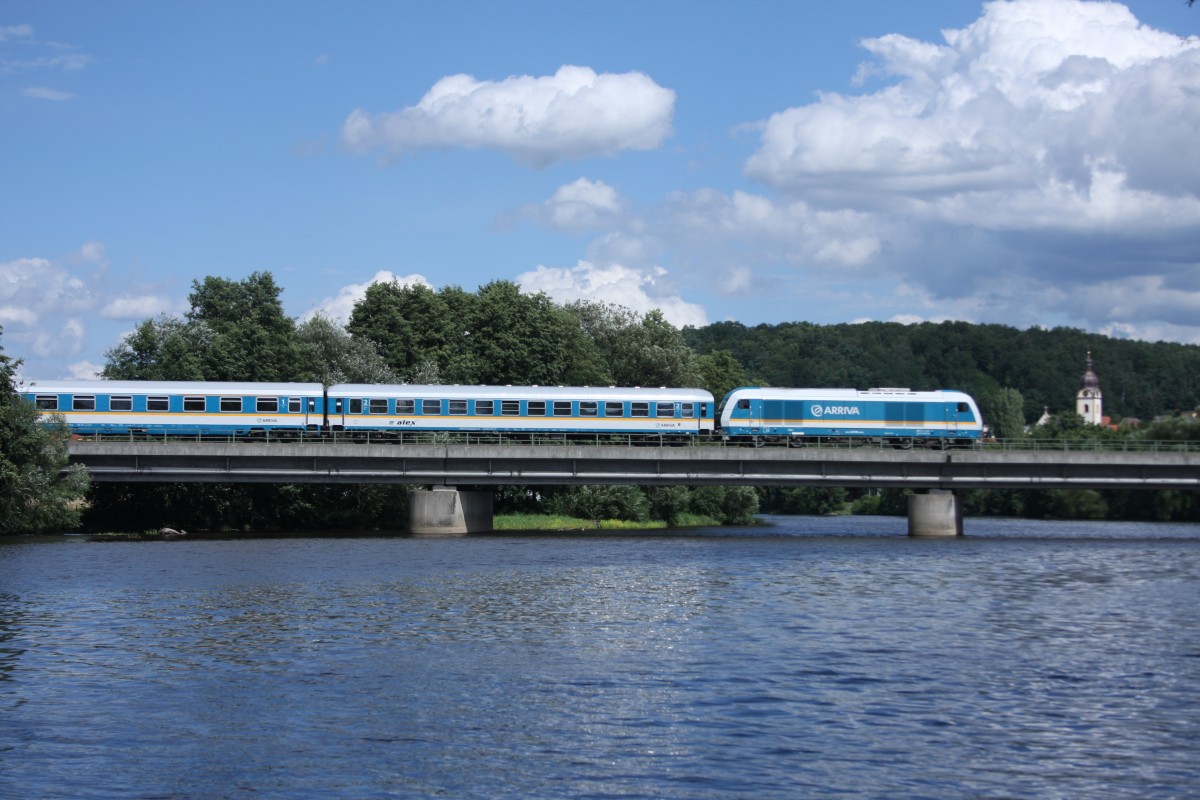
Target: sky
<point x="1025" y="162"/>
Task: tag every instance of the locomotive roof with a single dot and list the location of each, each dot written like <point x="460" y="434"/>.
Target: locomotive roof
<point x="168" y="387"/>
<point x="774" y="393"/>
<point x="521" y="392"/>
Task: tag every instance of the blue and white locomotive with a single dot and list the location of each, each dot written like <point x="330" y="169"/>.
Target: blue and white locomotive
<point x="193" y="408"/>
<point x="897" y="416"/>
<point x="521" y="409"/>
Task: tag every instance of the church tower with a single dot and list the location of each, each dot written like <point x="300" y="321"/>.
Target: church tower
<point x="1088" y="402"/>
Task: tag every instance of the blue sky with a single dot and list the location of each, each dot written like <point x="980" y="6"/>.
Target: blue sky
<point x="1032" y="162"/>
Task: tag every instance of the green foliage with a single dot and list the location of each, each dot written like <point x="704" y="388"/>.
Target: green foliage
<point x="37" y="492"/>
<point x="599" y="502"/>
<point x="235" y="331"/>
<point x="331" y="355"/>
<point x="652" y="352"/>
<point x="1139" y="379"/>
<point x="720" y="373"/>
<point x="732" y="505"/>
<point x="1004" y="410"/>
<point x="883" y="502"/>
<point x="498" y="336"/>
<point x="805" y="500"/>
<point x="667" y="503"/>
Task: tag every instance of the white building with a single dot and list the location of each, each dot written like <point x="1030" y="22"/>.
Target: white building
<point x="1089" y="400"/>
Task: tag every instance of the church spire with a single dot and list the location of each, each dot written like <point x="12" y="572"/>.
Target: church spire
<point x="1089" y="400"/>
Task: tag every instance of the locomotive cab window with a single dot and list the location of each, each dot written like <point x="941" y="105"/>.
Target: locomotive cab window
<point x="587" y="408"/>
<point x="231" y="404"/>
<point x="458" y="408"/>
<point x="120" y="403"/>
<point x="267" y="405"/>
<point x="47" y="402"/>
<point x="743" y="405"/>
<point x="485" y="408"/>
<point x="963" y="408"/>
<point x="377" y="405"/>
<point x="614" y="408"/>
<point x="193" y="404"/>
<point x="157" y="403"/>
<point x="431" y="406"/>
<point x="406" y="406"/>
<point x="510" y="408"/>
<point x="84" y="402"/>
<point x="562" y="408"/>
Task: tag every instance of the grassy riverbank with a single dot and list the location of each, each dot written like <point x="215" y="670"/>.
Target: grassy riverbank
<point x="544" y="522"/>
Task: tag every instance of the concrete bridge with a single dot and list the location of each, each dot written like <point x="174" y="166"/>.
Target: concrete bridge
<point x="457" y="470"/>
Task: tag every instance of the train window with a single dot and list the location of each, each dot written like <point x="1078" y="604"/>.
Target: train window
<point x="510" y="408"/>
<point x="84" y="402"/>
<point x="269" y="405"/>
<point x="121" y="403"/>
<point x="963" y="408"/>
<point x="687" y="410"/>
<point x="431" y="406"/>
<point x="639" y="409"/>
<point x="295" y="405"/>
<point x="377" y="405"/>
<point x="664" y="409"/>
<point x="458" y="407"/>
<point x="406" y="406"/>
<point x="485" y="408"/>
<point x="356" y="405"/>
<point x="587" y="408"/>
<point x="562" y="408"/>
<point x="614" y="408"/>
<point x="537" y="408"/>
<point x="47" y="402"/>
<point x="743" y="405"/>
<point x="231" y="404"/>
<point x="193" y="404"/>
<point x="157" y="403"/>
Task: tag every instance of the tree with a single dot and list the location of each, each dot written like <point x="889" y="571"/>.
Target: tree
<point x="720" y="373"/>
<point x="652" y="352"/>
<point x="38" y="493"/>
<point x="331" y="355"/>
<point x="253" y="340"/>
<point x="1005" y="414"/>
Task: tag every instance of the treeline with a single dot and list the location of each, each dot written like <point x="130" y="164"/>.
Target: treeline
<point x="238" y="331"/>
<point x="1138" y="379"/>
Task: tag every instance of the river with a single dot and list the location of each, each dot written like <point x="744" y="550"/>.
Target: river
<point x="814" y="657"/>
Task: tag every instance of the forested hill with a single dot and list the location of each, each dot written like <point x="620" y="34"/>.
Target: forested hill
<point x="1138" y="379"/>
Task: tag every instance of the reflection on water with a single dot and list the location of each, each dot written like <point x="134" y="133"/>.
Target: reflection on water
<point x="830" y="657"/>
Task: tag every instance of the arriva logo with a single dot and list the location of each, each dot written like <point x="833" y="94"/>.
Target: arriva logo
<point x="819" y="410"/>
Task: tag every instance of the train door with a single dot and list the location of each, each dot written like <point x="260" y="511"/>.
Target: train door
<point x="951" y="417"/>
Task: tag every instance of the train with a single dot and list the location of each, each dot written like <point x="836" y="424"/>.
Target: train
<point x="747" y="415"/>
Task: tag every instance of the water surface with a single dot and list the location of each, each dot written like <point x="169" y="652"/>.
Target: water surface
<point x="817" y="657"/>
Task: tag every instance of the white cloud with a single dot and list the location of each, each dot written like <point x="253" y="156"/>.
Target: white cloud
<point x="67" y="340"/>
<point x="42" y="93"/>
<point x="580" y="206"/>
<point x="574" y="113"/>
<point x="1035" y="95"/>
<point x="84" y="370"/>
<point x="15" y="32"/>
<point x="23" y="316"/>
<point x="139" y="307"/>
<point x="615" y="284"/>
<point x="339" y="307"/>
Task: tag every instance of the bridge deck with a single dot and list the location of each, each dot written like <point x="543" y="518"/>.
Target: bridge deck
<point x="471" y="465"/>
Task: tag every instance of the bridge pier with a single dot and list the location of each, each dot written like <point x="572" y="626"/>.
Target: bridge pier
<point x="446" y="511"/>
<point x="936" y="513"/>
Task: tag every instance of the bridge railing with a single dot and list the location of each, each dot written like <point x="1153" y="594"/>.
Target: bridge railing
<point x="639" y="440"/>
